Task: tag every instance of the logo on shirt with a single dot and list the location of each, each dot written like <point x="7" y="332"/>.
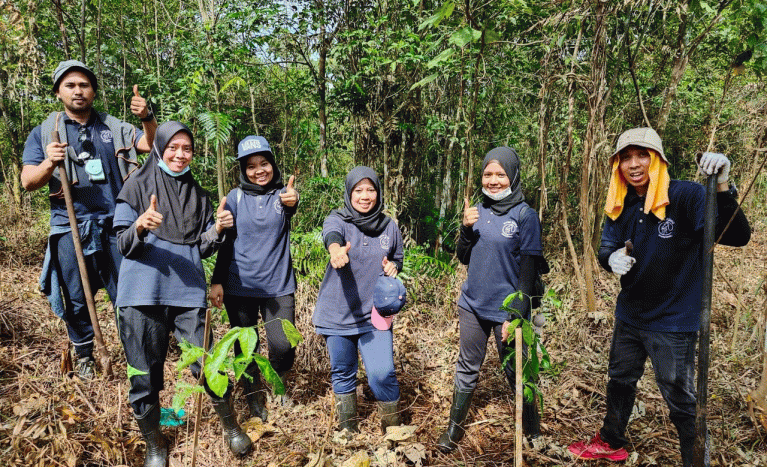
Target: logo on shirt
<point x="278" y="205"/>
<point x="666" y="229"/>
<point x="106" y="136"/>
<point x="509" y="229"/>
<point x="385" y="243"/>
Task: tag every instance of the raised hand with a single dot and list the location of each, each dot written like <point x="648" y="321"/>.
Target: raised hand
<point x="389" y="268"/>
<point x="620" y="262"/>
<point x="150" y="219"/>
<point x="470" y="213"/>
<point x="290" y="196"/>
<point x="712" y="163"/>
<point x="224" y="217"/>
<point x="138" y="105"/>
<point x="339" y="255"/>
<point x="216" y="295"/>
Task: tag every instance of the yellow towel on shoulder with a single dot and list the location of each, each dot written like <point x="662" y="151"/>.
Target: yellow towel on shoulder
<point x="656" y="198"/>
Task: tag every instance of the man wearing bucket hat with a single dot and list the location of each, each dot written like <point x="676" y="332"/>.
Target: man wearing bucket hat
<point x="98" y="152"/>
<point x="657" y="312"/>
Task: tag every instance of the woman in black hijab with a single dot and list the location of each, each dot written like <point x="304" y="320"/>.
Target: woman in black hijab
<point x="363" y="244"/>
<point x="499" y="239"/>
<point x="165" y="226"/>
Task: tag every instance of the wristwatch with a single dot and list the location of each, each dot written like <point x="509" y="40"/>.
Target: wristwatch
<point x="149" y="117"/>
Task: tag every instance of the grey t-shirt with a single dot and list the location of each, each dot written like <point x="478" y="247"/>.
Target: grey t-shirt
<point x="345" y="299"/>
<point x="157" y="272"/>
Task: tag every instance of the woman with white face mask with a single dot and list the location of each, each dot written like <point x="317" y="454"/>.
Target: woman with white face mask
<point x="500" y="241"/>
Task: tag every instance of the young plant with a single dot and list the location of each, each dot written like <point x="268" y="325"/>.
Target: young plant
<point x="221" y="361"/>
<point x="536" y="359"/>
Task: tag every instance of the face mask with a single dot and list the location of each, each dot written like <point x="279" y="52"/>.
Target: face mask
<point x="166" y="169"/>
<point x="497" y="196"/>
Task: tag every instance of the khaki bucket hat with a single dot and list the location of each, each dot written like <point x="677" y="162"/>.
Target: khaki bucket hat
<point x="642" y="137"/>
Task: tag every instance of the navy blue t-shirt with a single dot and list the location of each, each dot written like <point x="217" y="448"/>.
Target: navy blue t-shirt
<point x="494" y="266"/>
<point x="91" y="200"/>
<point x="662" y="291"/>
<point x="345" y="298"/>
<point x="260" y="263"/>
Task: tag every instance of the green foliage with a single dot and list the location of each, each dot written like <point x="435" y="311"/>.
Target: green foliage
<point x="537" y="359"/>
<point x="309" y="256"/>
<point x="221" y="361"/>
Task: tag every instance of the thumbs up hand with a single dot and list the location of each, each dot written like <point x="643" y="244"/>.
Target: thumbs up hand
<point x="150" y="219"/>
<point x="224" y="217"/>
<point x="138" y="105"/>
<point x="289" y="197"/>
<point x="470" y="213"/>
<point x="389" y="268"/>
<point x="339" y="255"/>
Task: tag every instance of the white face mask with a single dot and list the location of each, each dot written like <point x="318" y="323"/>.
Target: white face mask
<point x="497" y="196"/>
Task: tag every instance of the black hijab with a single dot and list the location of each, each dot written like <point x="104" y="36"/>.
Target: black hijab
<point x="184" y="205"/>
<point x="254" y="189"/>
<point x="509" y="161"/>
<point x="374" y="221"/>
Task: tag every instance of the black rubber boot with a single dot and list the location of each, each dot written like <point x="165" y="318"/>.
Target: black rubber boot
<point x="389" y="414"/>
<point x="255" y="395"/>
<point x="237" y="440"/>
<point x="448" y="441"/>
<point x="346" y="408"/>
<point x="531" y="419"/>
<point x="156" y="444"/>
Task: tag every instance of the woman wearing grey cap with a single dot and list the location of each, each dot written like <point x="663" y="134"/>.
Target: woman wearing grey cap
<point x="254" y="272"/>
<point x="499" y="238"/>
<point x="363" y="243"/>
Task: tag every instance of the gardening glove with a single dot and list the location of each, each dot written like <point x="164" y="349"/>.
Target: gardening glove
<point x="713" y="162"/>
<point x="620" y="262"/>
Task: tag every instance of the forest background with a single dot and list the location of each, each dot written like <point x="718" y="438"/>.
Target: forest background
<point x="420" y="91"/>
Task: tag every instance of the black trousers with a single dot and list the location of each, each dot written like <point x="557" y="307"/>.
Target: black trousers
<point x="245" y="312"/>
<point x="144" y="332"/>
<point x="673" y="359"/>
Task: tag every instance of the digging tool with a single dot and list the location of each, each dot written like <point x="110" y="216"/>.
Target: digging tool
<point x="106" y="361"/>
<point x="201" y="380"/>
<point x="701" y="452"/>
<point x="518" y="398"/>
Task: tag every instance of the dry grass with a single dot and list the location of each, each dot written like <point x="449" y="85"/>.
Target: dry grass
<point x="50" y="420"/>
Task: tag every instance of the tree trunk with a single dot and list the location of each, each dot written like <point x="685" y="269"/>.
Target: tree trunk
<point x="62" y="27"/>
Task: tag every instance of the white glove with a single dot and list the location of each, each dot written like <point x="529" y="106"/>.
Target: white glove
<point x="620" y="262"/>
<point x="713" y="162"/>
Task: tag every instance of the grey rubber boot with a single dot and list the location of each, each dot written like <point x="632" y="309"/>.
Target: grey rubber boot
<point x="156" y="444"/>
<point x="255" y="395"/>
<point x="448" y="441"/>
<point x="237" y="440"/>
<point x="346" y="408"/>
<point x="389" y="413"/>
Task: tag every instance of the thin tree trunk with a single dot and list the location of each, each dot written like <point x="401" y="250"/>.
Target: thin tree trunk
<point x="543" y="131"/>
<point x="84" y="3"/>
<point x="62" y="27"/>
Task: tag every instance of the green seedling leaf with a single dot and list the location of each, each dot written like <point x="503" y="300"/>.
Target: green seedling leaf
<point x="294" y="337"/>
<point x="271" y="376"/>
<point x="135" y="372"/>
<point x="511" y="297"/>
<point x="248" y="339"/>
<point x="189" y="354"/>
<point x="184" y="390"/>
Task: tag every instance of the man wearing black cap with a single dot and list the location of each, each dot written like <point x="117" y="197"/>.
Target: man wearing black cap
<point x="98" y="152"/>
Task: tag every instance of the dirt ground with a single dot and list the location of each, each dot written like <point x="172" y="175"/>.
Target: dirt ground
<point x="47" y="419"/>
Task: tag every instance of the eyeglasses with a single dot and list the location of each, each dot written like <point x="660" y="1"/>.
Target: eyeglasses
<point x="84" y="138"/>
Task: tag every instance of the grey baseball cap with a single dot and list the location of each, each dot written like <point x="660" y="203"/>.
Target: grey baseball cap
<point x="73" y="65"/>
<point x="642" y="137"/>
